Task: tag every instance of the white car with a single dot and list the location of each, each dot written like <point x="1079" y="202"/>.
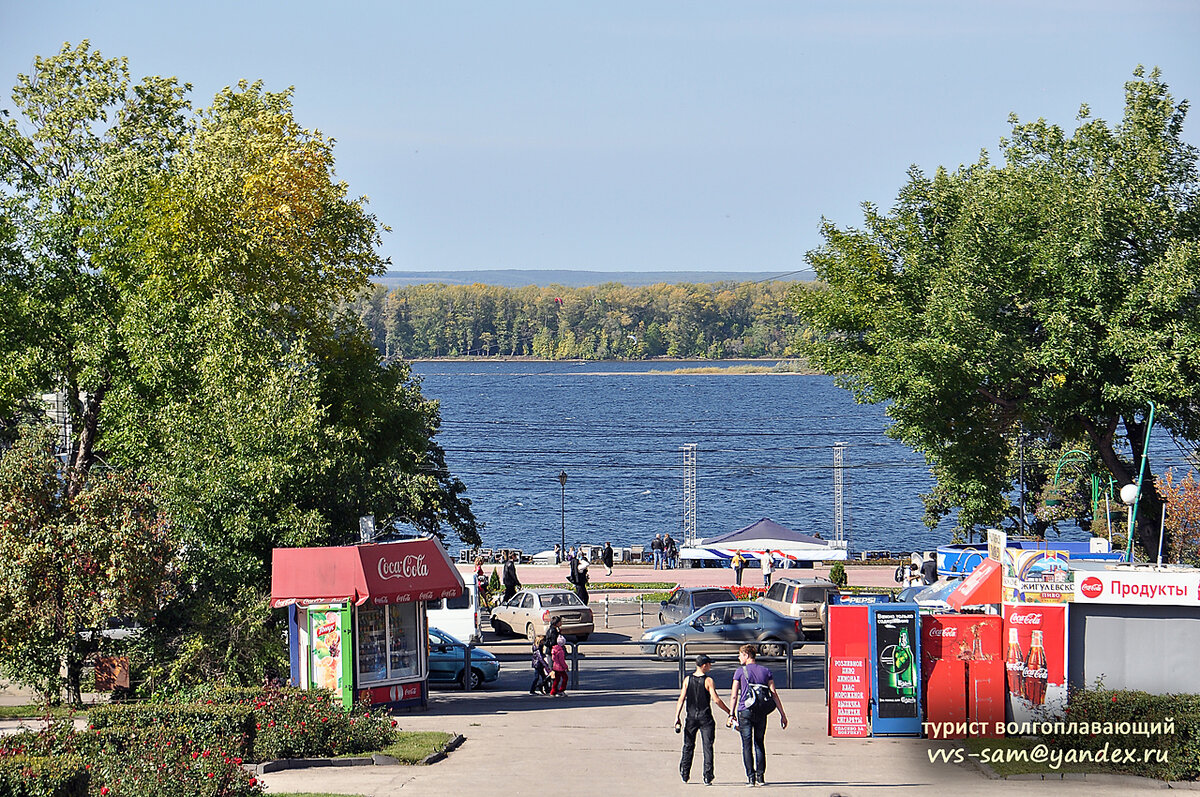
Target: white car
<point x="529" y="612"/>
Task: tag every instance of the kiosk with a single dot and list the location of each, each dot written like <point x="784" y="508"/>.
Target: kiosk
<point x="356" y="616"/>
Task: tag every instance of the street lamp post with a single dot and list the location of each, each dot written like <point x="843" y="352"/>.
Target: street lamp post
<point x="562" y="480"/>
<point x="1129" y="497"/>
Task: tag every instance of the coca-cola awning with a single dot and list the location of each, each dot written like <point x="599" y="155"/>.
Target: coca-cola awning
<point x="392" y="572"/>
<point x="981" y="587"/>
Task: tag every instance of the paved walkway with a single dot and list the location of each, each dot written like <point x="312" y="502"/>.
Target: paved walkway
<point x="608" y="744"/>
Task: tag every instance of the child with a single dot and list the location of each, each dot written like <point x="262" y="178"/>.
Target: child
<point x="541" y="668"/>
<point x="558" y="663"/>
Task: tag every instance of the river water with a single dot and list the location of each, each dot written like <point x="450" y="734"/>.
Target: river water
<point x="764" y="449"/>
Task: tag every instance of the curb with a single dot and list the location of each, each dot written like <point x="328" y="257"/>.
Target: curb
<point x="376" y="759"/>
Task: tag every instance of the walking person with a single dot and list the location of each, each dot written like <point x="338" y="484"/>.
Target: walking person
<point x="607" y="558"/>
<point x="558" y="666"/>
<point x="668" y="543"/>
<point x="767" y="568"/>
<point x="581" y="582"/>
<point x="656" y="547"/>
<point x="509" y="578"/>
<point x="753" y="682"/>
<point x="698" y="694"/>
<point x="739" y="564"/>
<point x="541" y="667"/>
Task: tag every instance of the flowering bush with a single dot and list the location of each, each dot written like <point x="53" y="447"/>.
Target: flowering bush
<point x="38" y="776"/>
<point x="748" y="593"/>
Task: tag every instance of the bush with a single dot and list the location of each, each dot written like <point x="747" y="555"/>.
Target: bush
<point x="36" y="776"/>
<point x="212" y="726"/>
<point x="306" y="723"/>
<point x="837" y="574"/>
<point x="1111" y="709"/>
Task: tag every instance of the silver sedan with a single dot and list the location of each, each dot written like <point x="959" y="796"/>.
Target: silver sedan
<point x="721" y="624"/>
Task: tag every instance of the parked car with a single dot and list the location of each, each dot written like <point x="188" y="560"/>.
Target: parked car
<point x="529" y="612"/>
<point x="686" y="600"/>
<point x="447" y="659"/>
<point x="459" y="616"/>
<point x="802" y="598"/>
<point x="723" y="623"/>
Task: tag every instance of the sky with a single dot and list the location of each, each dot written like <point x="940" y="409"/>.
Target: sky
<point x="637" y="136"/>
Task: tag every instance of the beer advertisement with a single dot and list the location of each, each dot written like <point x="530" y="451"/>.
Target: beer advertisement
<point x="896" y="663"/>
<point x="1037" y="577"/>
<point x="1035" y="661"/>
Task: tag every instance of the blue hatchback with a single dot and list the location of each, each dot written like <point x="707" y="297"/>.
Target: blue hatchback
<point x="446" y="659"/>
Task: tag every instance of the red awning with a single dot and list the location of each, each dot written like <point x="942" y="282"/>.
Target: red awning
<point x="982" y="586"/>
<point x="392" y="572"/>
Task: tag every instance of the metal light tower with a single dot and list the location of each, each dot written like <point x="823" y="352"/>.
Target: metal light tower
<point x="562" y="480"/>
<point x="839" y="524"/>
<point x="689" y="494"/>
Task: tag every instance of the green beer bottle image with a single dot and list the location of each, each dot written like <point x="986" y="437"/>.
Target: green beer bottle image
<point x="904" y="671"/>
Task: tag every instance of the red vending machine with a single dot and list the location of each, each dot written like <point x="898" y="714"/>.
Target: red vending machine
<point x="847" y="647"/>
<point x="962" y="669"/>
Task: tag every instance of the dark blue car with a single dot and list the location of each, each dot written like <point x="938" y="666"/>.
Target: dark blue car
<point x="686" y="600"/>
<point x="446" y="660"/>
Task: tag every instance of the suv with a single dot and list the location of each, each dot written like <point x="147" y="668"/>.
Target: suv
<point x="685" y="600"/>
<point x="802" y="598"/>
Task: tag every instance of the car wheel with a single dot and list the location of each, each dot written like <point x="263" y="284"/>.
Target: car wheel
<point x="530" y="634"/>
<point x="500" y="628"/>
<point x="668" y="651"/>
<point x="772" y="649"/>
<point x="476" y="679"/>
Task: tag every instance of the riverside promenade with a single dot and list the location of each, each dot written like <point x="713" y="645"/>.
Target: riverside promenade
<point x="613" y="735"/>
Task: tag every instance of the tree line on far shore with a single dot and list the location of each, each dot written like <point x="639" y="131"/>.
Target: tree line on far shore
<point x="605" y="322"/>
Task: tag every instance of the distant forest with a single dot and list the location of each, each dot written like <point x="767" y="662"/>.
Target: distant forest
<point x="605" y="322"/>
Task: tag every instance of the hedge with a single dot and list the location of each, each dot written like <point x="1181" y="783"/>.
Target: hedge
<point x="35" y="776"/>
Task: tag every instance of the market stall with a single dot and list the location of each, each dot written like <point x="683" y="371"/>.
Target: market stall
<point x="356" y="616"/>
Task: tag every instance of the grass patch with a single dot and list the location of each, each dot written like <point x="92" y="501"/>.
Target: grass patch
<point x="37" y="711"/>
<point x="413" y="747"/>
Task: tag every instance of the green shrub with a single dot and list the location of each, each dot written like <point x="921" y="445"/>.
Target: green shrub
<point x="37" y="776"/>
<point x="837" y="574"/>
<point x="1109" y="711"/>
<point x="210" y="725"/>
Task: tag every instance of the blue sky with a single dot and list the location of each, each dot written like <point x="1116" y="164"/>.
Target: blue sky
<point x="637" y="136"/>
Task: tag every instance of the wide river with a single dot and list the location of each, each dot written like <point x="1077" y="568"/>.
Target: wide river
<point x="765" y="448"/>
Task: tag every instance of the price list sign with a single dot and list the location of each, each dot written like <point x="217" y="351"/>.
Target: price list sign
<point x="848" y="697"/>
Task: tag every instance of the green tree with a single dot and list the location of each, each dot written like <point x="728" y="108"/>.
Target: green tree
<point x="68" y="562"/>
<point x="1055" y="293"/>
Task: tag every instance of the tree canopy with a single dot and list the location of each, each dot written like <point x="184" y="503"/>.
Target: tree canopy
<point x="1056" y="293"/>
<point x="175" y="273"/>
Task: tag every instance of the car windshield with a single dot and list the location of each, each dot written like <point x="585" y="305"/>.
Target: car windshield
<point x="705" y="598"/>
<point x="552" y="599"/>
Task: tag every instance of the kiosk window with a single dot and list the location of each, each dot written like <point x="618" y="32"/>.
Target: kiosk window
<point x="387" y="643"/>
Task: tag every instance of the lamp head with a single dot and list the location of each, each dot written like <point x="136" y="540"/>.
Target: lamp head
<point x="1129" y="494"/>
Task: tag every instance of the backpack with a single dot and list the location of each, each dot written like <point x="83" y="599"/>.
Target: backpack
<point x="759" y="699"/>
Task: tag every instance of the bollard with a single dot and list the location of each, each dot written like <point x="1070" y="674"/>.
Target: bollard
<point x="575" y="665"/>
<point x="642" y="610"/>
<point x="467" y="667"/>
<point x="606" y="611"/>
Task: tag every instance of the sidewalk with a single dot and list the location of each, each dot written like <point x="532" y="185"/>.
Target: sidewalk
<point x="608" y="744"/>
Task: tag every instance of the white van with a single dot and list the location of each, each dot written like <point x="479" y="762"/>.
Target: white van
<point x="458" y="617"/>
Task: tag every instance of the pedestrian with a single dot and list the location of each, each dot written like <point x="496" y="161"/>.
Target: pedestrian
<point x="607" y="558"/>
<point x="668" y="543"/>
<point x="581" y="582"/>
<point x="698" y="694"/>
<point x="673" y="555"/>
<point x="751" y="720"/>
<point x="541" y="667"/>
<point x="656" y="547"/>
<point x="767" y="568"/>
<point x="929" y="574"/>
<point x="558" y="665"/>
<point x="553" y="634"/>
<point x="739" y="564"/>
<point x="558" y="554"/>
<point x="509" y="578"/>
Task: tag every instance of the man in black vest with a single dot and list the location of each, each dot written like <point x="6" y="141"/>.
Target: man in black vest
<point x="698" y="694"/>
<point x="509" y="578"/>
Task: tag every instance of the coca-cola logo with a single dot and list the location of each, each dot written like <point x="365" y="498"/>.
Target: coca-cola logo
<point x="1091" y="587"/>
<point x="425" y="596"/>
<point x="411" y="566"/>
<point x="1026" y="619"/>
<point x="943" y="632"/>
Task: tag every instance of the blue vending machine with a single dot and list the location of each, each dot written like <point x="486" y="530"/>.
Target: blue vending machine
<point x="895" y="652"/>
